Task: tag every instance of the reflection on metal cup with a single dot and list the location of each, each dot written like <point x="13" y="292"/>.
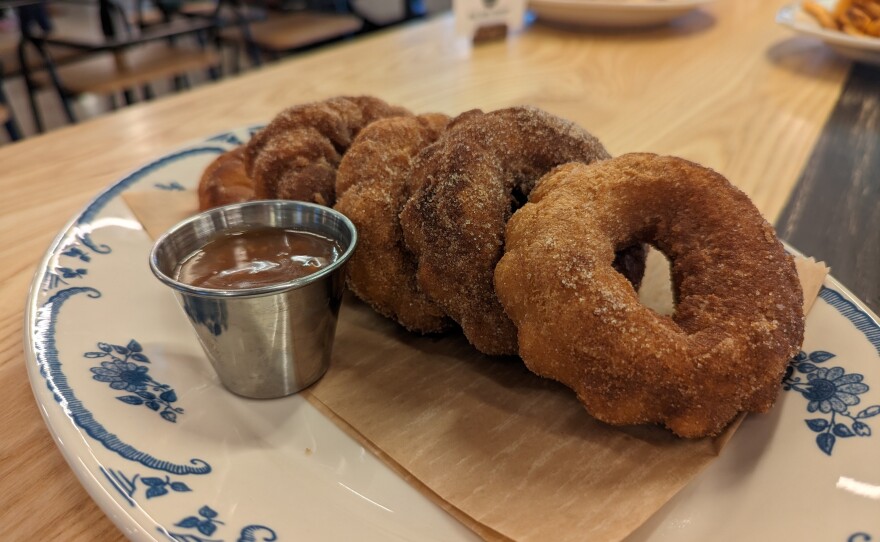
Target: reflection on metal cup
<point x="267" y="341"/>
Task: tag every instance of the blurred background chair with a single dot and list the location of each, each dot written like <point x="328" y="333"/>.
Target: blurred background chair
<point x="122" y="59"/>
<point x="6" y="116"/>
<point x="271" y="29"/>
<point x="81" y="58"/>
<point x="149" y="13"/>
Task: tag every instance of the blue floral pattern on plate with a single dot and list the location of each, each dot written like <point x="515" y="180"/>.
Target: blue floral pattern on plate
<point x="206" y="523"/>
<point x="155" y="486"/>
<point x="172" y="186"/>
<point x="123" y="374"/>
<point x="80" y="249"/>
<point x="829" y="391"/>
<point x="76" y="252"/>
<point x="227" y="137"/>
<point x="47" y="359"/>
<point x="60" y="275"/>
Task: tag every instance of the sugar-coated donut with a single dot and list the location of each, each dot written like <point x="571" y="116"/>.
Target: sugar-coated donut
<point x="371" y="187"/>
<point x="296" y="155"/>
<point x="225" y="181"/>
<point x="469" y="183"/>
<point x="738" y="318"/>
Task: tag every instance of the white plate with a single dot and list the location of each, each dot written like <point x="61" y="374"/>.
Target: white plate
<point x="865" y="49"/>
<point x="611" y="14"/>
<point x="168" y="454"/>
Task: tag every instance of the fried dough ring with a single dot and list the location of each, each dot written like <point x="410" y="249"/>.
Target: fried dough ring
<point x="482" y="167"/>
<point x="225" y="181"/>
<point x="738" y="318"/>
<point x="296" y="155"/>
<point x="371" y="188"/>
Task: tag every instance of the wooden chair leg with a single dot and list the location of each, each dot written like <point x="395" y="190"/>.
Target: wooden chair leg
<point x="128" y="94"/>
<point x="68" y="107"/>
<point x="12" y="130"/>
<point x="62" y="94"/>
<point x="53" y="77"/>
<point x="35" y="111"/>
<point x="254" y="53"/>
<point x="236" y="58"/>
<point x="30" y="87"/>
<point x="10" y="125"/>
<point x="202" y="40"/>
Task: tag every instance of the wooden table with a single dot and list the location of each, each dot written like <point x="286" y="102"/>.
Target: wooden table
<point x="725" y="87"/>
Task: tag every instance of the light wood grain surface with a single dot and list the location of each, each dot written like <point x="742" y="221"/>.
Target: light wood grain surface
<point x="724" y="86"/>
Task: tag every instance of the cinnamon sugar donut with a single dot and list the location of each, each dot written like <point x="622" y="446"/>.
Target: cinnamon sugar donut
<point x="371" y="188"/>
<point x="296" y="155"/>
<point x="225" y="181"/>
<point x="472" y="179"/>
<point x="738" y="318"/>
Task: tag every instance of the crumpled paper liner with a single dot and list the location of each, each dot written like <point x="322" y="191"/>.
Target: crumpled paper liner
<point x="511" y="455"/>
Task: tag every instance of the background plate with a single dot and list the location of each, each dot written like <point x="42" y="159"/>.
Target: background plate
<point x="605" y="14"/>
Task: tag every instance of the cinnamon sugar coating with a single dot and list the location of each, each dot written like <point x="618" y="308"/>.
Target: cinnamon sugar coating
<point x="296" y="155"/>
<point x="371" y="186"/>
<point x="468" y="185"/>
<point x="225" y="181"/>
<point x="738" y="318"/>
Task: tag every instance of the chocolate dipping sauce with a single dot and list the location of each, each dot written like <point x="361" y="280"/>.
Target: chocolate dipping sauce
<point x="254" y="258"/>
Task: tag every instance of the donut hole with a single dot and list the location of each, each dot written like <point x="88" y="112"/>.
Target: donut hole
<point x="518" y="197"/>
<point x="656" y="289"/>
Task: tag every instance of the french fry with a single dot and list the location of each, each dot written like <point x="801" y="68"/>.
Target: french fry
<point x="820" y="14"/>
<point x="853" y="17"/>
<point x="873" y="8"/>
<point x="858" y="17"/>
<point x="841" y="7"/>
<point x="851" y="30"/>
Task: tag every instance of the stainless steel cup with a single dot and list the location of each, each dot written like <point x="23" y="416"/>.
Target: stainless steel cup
<point x="273" y="340"/>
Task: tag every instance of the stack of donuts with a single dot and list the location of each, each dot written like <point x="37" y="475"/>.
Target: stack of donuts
<point x="520" y="228"/>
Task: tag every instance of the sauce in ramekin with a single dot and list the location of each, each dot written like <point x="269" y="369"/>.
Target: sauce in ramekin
<point x="254" y="258"/>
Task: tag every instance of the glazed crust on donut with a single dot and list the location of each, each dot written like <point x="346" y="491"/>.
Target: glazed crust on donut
<point x="738" y="317"/>
<point x="225" y="181"/>
<point x="472" y="179"/>
<point x="371" y="188"/>
<point x="296" y="155"/>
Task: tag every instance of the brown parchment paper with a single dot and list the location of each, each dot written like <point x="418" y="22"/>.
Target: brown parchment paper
<point x="511" y="455"/>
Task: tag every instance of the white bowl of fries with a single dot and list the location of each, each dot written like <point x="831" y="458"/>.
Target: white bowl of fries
<point x="850" y="27"/>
